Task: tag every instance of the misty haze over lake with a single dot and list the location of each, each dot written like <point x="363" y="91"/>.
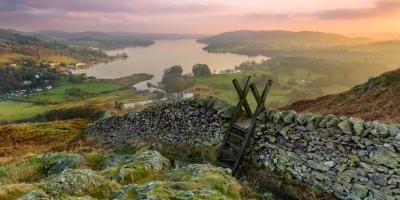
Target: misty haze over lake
<point x="163" y="54"/>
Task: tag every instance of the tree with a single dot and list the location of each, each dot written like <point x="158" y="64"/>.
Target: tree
<point x="175" y="71"/>
<point x="173" y="84"/>
<point x="172" y="79"/>
<point x="201" y="70"/>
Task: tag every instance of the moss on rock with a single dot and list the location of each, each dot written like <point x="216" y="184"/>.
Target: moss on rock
<point x="57" y="162"/>
<point x="143" y="166"/>
<point x="72" y="182"/>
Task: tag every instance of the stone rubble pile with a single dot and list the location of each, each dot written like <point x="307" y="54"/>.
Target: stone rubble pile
<point x="352" y="158"/>
<point x="194" y="122"/>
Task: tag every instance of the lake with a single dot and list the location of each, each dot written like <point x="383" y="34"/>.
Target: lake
<point x="163" y="54"/>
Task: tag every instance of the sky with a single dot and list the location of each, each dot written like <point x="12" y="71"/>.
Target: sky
<point x="202" y="16"/>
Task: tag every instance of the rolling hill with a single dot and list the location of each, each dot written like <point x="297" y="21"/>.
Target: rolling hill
<point x="281" y="39"/>
<point x="107" y="40"/>
<point x="15" y="45"/>
<point x="377" y="99"/>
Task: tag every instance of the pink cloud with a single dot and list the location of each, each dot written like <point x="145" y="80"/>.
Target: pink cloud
<point x="381" y="8"/>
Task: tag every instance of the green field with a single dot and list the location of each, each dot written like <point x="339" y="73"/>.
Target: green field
<point x="16" y="110"/>
<point x="100" y="93"/>
<point x="58" y="94"/>
<point x="281" y="93"/>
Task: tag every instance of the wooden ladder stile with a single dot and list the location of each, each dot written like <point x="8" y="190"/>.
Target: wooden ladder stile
<point x="245" y="128"/>
<point x="260" y="108"/>
<point x="242" y="101"/>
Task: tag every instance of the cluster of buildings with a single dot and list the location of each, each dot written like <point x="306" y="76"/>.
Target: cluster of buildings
<point x="26" y="91"/>
<point x="63" y="68"/>
<point x="27" y="87"/>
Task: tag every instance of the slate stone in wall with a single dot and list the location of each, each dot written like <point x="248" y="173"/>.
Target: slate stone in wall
<point x="194" y="122"/>
<point x="347" y="156"/>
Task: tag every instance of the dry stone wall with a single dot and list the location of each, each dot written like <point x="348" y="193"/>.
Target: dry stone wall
<point x="352" y="158"/>
<point x="192" y="122"/>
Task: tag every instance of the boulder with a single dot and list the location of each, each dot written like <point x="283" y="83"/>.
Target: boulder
<point x="190" y="182"/>
<point x="57" y="162"/>
<point x="144" y="164"/>
<point x="73" y="182"/>
<point x="36" y="195"/>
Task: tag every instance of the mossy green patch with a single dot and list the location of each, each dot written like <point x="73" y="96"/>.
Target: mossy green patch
<point x="26" y="171"/>
<point x="94" y="160"/>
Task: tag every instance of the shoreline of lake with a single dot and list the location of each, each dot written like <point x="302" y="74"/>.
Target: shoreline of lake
<point x="162" y="54"/>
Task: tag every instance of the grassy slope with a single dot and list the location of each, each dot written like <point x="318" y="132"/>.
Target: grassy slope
<point x="15" y="110"/>
<point x="19" y="140"/>
<point x="11" y="57"/>
<point x="220" y="85"/>
<point x="58" y="94"/>
<point x="378" y="99"/>
<point x="62" y="59"/>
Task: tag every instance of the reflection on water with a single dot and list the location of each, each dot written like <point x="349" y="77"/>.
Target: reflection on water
<point x="154" y="59"/>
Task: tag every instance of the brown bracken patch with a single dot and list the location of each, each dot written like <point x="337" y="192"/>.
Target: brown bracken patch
<point x="378" y="99"/>
<point x="19" y="140"/>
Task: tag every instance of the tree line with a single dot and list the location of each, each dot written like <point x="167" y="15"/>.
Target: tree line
<point x="174" y="81"/>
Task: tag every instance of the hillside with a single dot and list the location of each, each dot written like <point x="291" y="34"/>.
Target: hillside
<point x="289" y="39"/>
<point x="15" y="45"/>
<point x="93" y="39"/>
<point x="107" y="40"/>
<point x="377" y="99"/>
<point x="336" y="47"/>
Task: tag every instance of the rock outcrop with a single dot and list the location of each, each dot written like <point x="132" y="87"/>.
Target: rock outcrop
<point x="73" y="182"/>
<point x="145" y="174"/>
<point x="190" y="182"/>
<point x="57" y="162"/>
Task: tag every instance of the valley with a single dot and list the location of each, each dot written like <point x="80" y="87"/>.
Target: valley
<point x="67" y="134"/>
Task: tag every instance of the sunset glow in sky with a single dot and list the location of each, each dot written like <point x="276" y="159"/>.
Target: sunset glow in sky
<point x="201" y="16"/>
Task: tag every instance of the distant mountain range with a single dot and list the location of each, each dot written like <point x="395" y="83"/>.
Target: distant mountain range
<point x="114" y="35"/>
<point x="117" y="36"/>
<point x="377" y="35"/>
<point x="281" y="39"/>
<point x="102" y="40"/>
<point x="107" y="40"/>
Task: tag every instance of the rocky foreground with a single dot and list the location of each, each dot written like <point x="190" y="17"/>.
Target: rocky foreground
<point x="144" y="175"/>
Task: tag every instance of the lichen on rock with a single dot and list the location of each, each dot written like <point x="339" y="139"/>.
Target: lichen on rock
<point x="143" y="165"/>
<point x="74" y="182"/>
<point x="190" y="182"/>
<point x="57" y="162"/>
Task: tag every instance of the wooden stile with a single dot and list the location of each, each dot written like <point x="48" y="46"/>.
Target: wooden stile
<point x="238" y="135"/>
